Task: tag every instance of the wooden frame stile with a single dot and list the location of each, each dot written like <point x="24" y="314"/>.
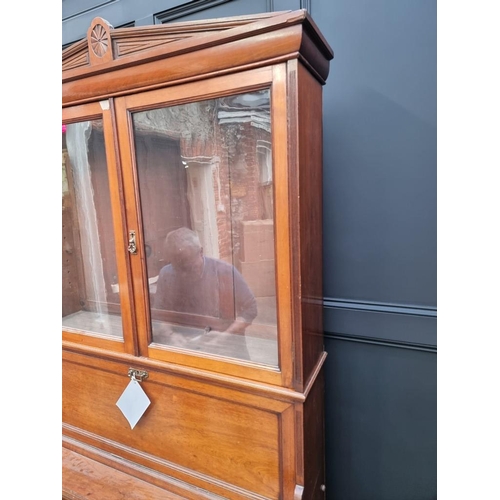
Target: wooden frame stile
<point x="121" y="236"/>
<point x="282" y="217"/>
<point x="136" y="262"/>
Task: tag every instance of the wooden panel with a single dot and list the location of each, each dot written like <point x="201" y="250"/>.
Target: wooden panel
<point x="314" y="440"/>
<point x="305" y="171"/>
<point x="85" y="112"/>
<point x="196" y="427"/>
<point x="311" y="220"/>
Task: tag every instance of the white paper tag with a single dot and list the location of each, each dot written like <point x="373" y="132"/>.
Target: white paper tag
<point x="133" y="402"/>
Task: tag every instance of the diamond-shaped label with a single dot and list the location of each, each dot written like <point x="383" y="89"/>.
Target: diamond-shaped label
<point x="133" y="402"/>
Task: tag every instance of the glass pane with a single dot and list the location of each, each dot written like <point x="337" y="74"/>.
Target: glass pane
<point x="90" y="295"/>
<point x="206" y="186"/>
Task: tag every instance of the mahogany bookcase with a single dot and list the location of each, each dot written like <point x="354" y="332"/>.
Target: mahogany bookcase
<point x="192" y="259"/>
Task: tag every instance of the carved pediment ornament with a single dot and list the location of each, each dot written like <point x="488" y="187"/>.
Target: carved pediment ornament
<point x="99" y="41"/>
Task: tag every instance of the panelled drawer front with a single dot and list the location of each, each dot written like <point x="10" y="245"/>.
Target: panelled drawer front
<point x="222" y="434"/>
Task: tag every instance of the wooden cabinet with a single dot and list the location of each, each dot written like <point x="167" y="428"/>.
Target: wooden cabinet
<point x="192" y="259"/>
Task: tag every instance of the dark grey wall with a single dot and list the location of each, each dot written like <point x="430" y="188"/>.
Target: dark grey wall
<point x="380" y="151"/>
<point x="381" y="430"/>
<point x="380" y="248"/>
<point x="379" y="229"/>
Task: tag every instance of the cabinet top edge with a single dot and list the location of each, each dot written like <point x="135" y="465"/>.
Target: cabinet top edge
<point x="106" y="48"/>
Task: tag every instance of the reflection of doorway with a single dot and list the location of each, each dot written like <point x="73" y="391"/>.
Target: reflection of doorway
<point x="163" y="185"/>
<point x="200" y="193"/>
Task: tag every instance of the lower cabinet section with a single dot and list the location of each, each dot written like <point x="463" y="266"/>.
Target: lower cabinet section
<point x="201" y="437"/>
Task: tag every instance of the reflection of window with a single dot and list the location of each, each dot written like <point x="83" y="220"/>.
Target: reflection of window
<point x="265" y="162"/>
<point x="77" y="139"/>
<point x="89" y="282"/>
<point x="250" y="108"/>
<point x="201" y="196"/>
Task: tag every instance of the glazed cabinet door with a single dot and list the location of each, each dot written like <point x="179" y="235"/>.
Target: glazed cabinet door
<point x="205" y="183"/>
<point x="96" y="294"/>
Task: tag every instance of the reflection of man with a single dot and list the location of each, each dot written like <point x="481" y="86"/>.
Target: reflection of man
<point x="195" y="284"/>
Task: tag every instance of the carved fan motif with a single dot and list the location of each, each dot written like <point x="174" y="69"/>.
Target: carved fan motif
<point x="99" y="40"/>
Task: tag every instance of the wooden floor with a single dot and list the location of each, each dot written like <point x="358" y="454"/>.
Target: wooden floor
<point x="84" y="478"/>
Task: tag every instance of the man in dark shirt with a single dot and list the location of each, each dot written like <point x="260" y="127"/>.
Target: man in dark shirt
<point x="209" y="289"/>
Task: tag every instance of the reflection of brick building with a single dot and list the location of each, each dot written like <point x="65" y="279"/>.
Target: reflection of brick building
<point x="216" y="156"/>
<point x="243" y="181"/>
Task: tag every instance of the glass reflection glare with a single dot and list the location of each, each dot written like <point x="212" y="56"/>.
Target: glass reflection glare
<point x="90" y="292"/>
<point x="206" y="186"/>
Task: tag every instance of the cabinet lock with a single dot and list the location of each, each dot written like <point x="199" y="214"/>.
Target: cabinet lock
<point x="132" y="247"/>
<point x="138" y="375"/>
